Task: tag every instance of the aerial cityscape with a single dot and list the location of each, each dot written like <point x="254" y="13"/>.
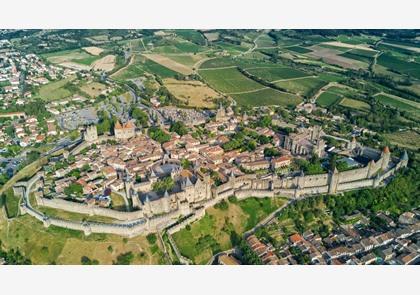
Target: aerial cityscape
<point x="217" y="147"/>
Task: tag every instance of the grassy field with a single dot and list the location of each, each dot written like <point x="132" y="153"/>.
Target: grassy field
<point x="63" y="246"/>
<point x="271" y="74"/>
<point x="217" y="63"/>
<point x="327" y="99"/>
<point x="187" y="60"/>
<point x="93" y="89"/>
<point x="52" y="212"/>
<point x="353" y="54"/>
<point x="55" y="90"/>
<point x="299" y="49"/>
<point x="117" y="202"/>
<point x="303" y="86"/>
<point x="355" y="104"/>
<point x="142" y="65"/>
<point x="192" y="93"/>
<point x="191" y="35"/>
<point x="407" y="139"/>
<point x="267" y="96"/>
<point x="391" y="62"/>
<point x="265" y="41"/>
<point x="398" y="102"/>
<point x="169" y="63"/>
<point x="77" y="56"/>
<point x="212" y="233"/>
<point x="11" y="203"/>
<point x="229" y="80"/>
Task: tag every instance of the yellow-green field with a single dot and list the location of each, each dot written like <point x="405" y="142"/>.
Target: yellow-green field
<point x="55" y="90"/>
<point x="408" y="139"/>
<point x="355" y="104"/>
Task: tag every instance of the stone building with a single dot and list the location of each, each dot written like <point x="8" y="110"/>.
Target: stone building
<point x="306" y="141"/>
<point x="124" y="131"/>
<point x="90" y="133"/>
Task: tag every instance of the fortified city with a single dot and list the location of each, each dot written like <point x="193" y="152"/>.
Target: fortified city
<point x="209" y="147"/>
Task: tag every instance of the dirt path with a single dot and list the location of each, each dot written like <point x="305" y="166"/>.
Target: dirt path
<point x="123" y="68"/>
<point x="292" y="79"/>
<point x="220" y="68"/>
<point x="250" y="91"/>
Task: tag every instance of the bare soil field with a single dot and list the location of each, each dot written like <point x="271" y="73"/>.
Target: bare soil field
<point x="94" y="89"/>
<point x="93" y="50"/>
<point x="107" y="63"/>
<point x="75" y="66"/>
<point x="192" y="93"/>
<point x="212" y="36"/>
<point x="347" y="45"/>
<point x="169" y="63"/>
<point x="332" y="56"/>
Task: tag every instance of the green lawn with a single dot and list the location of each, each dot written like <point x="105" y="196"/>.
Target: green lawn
<point x="11" y="203"/>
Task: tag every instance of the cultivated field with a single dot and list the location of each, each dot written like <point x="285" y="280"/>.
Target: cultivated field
<point x="391" y="62"/>
<point x="332" y="56"/>
<point x="272" y="74"/>
<point x="399" y="103"/>
<point x="229" y="81"/>
<point x="93" y="50"/>
<point x="55" y="90"/>
<point x="192" y="93"/>
<point x="408" y="139"/>
<point x="327" y="99"/>
<point x="303" y="86"/>
<point x="106" y="63"/>
<point x="267" y="96"/>
<point x="93" y="89"/>
<point x="355" y="104"/>
<point x="75" y="59"/>
<point x="169" y="63"/>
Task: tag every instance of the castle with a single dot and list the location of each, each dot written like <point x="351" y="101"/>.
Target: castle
<point x="193" y="191"/>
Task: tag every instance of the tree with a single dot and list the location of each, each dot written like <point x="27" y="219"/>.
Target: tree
<point x="159" y="135"/>
<point x="73" y="189"/>
<point x="164" y="184"/>
<point x="125" y="258"/>
<point x="140" y="116"/>
<point x="151" y="238"/>
<point x="179" y="127"/>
